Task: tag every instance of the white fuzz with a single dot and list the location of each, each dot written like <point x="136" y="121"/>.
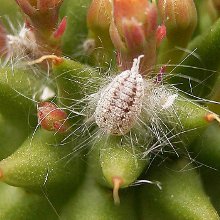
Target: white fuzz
<point x="157" y="98"/>
<point x="47" y="94"/>
<point x="89" y="46"/>
<point x="169" y="102"/>
<point x="23" y="44"/>
<point x="121" y="101"/>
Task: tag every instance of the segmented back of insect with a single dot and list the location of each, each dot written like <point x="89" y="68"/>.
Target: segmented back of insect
<point x="120" y="102"/>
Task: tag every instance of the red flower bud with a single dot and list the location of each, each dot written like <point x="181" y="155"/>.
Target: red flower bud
<point x="52" y="118"/>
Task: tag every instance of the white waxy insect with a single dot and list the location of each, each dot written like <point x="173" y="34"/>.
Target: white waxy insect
<point x="121" y="101"/>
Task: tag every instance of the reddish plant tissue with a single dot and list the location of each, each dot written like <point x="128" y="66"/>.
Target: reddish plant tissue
<point x="161" y="34"/>
<point x="52" y="118"/>
<point x="60" y="29"/>
<point x="134" y="31"/>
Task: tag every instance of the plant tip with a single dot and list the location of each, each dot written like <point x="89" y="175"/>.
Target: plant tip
<point x="117" y="182"/>
<point x="61" y="29"/>
<point x="210" y="117"/>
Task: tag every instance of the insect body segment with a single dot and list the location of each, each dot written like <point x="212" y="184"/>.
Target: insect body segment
<point x="121" y="101"/>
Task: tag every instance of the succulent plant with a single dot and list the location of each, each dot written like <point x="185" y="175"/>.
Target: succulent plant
<point x="109" y="109"/>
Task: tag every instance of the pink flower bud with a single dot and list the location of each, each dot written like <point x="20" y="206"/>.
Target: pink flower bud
<point x="133" y="32"/>
<point x="60" y="29"/>
<point x="52" y="118"/>
<point x="161" y="33"/>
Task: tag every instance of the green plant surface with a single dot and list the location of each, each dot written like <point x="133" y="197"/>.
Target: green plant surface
<point x="19" y="204"/>
<point x="93" y="201"/>
<point x="42" y="154"/>
<point x="182" y="195"/>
